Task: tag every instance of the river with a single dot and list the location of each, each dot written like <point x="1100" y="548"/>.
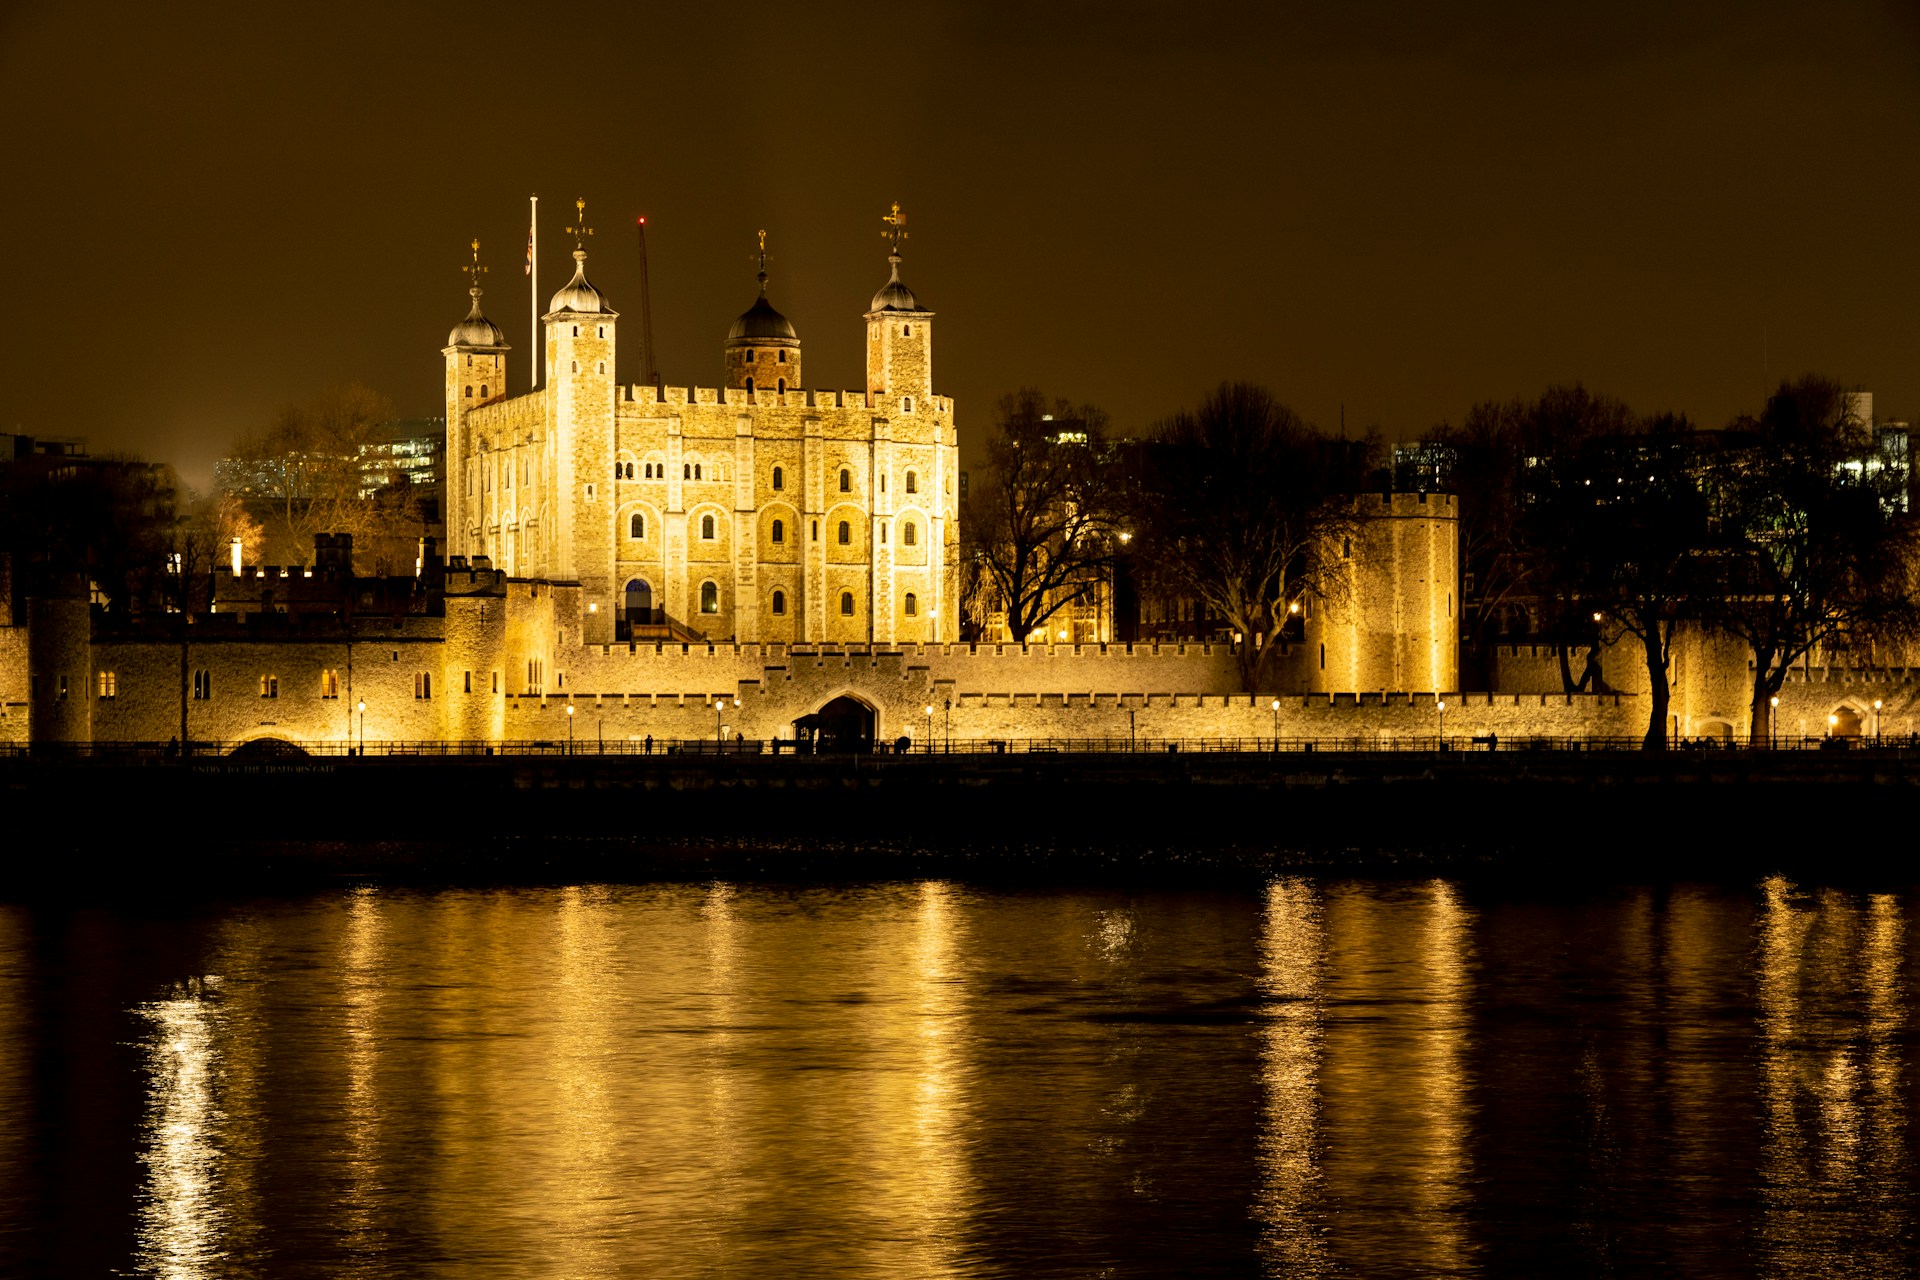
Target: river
<point x="1307" y="1077"/>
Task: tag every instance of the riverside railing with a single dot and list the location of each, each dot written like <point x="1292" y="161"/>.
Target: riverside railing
<point x="274" y="748"/>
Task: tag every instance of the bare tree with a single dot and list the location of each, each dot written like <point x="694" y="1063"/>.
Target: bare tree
<point x="1037" y="529"/>
<point x="1819" y="552"/>
<point x="1242" y="506"/>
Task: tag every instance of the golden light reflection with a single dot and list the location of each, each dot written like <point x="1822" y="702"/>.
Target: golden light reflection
<point x="1394" y="1076"/>
<point x="1831" y="1080"/>
<point x="362" y="979"/>
<point x="1292" y="961"/>
<point x="182" y="1214"/>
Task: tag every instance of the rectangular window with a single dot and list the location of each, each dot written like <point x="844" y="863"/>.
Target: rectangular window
<point x="107" y="684"/>
<point x="422" y="685"/>
<point x="61" y="694"/>
<point x="496" y="682"/>
<point x="269" y="686"/>
<point x="202" y="685"/>
<point x="466" y="682"/>
<point x="329" y="684"/>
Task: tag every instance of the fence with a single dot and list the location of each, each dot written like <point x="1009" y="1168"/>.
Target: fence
<point x="268" y="748"/>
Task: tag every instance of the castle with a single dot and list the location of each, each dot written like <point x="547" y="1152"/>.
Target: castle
<point x="765" y="561"/>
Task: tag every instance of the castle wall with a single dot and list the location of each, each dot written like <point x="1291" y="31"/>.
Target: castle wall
<point x="14" y="712"/>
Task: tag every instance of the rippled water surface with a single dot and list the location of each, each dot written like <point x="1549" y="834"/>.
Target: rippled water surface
<point x="1319" y="1078"/>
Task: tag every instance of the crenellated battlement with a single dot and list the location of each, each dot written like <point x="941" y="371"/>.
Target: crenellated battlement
<point x="1404" y="506"/>
<point x="646" y="397"/>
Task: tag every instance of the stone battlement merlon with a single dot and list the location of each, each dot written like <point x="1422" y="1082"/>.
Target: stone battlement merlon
<point x="643" y="396"/>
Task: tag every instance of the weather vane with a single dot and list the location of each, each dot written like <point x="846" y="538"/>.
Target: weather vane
<point x="581" y="232"/>
<point x="476" y="270"/>
<point x="763" y="253"/>
<point x="896" y="226"/>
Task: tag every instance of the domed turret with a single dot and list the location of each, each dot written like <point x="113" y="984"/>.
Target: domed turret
<point x="893" y="295"/>
<point x="578" y="294"/>
<point x="762" y="349"/>
<point x="476" y="330"/>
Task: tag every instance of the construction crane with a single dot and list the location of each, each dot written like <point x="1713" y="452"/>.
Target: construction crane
<point x="650" y="374"/>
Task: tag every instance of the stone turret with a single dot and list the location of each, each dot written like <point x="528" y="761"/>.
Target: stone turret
<point x="574" y="538"/>
<point x="899" y="337"/>
<point x="762" y="350"/>
<point x="476" y="356"/>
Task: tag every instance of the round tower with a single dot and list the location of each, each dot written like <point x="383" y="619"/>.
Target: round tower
<point x="476" y="355"/>
<point x="762" y="349"/>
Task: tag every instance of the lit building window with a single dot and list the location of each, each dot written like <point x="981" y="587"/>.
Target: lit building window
<point x="913" y="605"/>
<point x="269" y="686"/>
<point x="330" y="684"/>
<point x="706" y="528"/>
<point x="422" y="684"/>
<point x="637" y="526"/>
<point x="846" y="533"/>
<point x="779" y="531"/>
<point x="709" y="598"/>
<point x="907" y="533"/>
<point x="109" y="684"/>
<point x="913" y="483"/>
<point x="846" y="481"/>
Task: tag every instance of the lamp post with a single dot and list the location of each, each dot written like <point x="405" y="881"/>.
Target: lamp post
<point x="569" y="728"/>
<point x="1773" y="722"/>
<point x="1276" y="726"/>
<point x="718" y="705"/>
<point x="362" y="709"/>
<point x="1833" y="725"/>
<point x="1443" y="724"/>
<point x="949" y="726"/>
<point x="929" y="728"/>
<point x="1876" y="722"/>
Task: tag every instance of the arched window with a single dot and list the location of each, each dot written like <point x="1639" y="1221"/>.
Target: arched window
<point x="779" y="531"/>
<point x="601" y="369"/>
<point x="686" y="471"/>
<point x="783" y="355"/>
<point x="575" y="364"/>
<point x="469" y="391"/>
<point x="846" y="481"/>
<point x="846" y="604"/>
<point x="483" y="391"/>
<point x="576" y="331"/>
<point x="816" y="531"/>
<point x="706" y="528"/>
<point x="908" y="533"/>
<point x="846" y="534"/>
<point x="646" y="471"/>
<point x="913" y="605"/>
<point x="749" y="386"/>
<point x="913" y="483"/>
<point x="779" y="604"/>
<point x="780" y="387"/>
<point x="637" y="526"/>
<point x="696" y="471"/>
<point x="906" y="331"/>
<point x="883" y="533"/>
<point x="639" y="600"/>
<point x="709" y="598"/>
<point x="906" y="405"/>
<point x="779" y="478"/>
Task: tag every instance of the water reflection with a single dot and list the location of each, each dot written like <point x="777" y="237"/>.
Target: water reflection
<point x="1292" y="958"/>
<point x="183" y="1214"/>
<point x="1832" y="1086"/>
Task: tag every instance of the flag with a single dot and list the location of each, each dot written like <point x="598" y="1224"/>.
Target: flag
<point x="529" y="250"/>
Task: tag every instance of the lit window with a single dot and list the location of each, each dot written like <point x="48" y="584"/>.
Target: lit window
<point x="422" y="684"/>
<point x="913" y="605"/>
<point x="637" y="526"/>
<point x="706" y="528"/>
<point x="329" y="684"/>
<point x="109" y="684"/>
<point x="779" y="478"/>
<point x="779" y="603"/>
<point x="709" y="598"/>
<point x="907" y="533"/>
<point x="846" y="481"/>
<point x="846" y="533"/>
<point x="269" y="686"/>
<point x="846" y="603"/>
<point x="913" y="483"/>
<point x="779" y="531"/>
<point x="202" y="685"/>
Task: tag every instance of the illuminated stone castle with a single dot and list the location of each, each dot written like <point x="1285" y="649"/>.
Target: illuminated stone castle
<point x="759" y="510"/>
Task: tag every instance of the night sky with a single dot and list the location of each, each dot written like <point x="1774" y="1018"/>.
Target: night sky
<point x="1401" y="210"/>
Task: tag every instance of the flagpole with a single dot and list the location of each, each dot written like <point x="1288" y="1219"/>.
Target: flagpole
<point x="533" y="293"/>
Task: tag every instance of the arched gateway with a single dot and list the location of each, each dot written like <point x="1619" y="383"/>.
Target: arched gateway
<point x="844" y="724"/>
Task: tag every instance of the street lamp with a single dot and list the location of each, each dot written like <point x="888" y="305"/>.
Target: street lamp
<point x="569" y="728"/>
<point x="1443" y="724"/>
<point x="1276" y="726"/>
<point x="949" y="726"/>
<point x="1876" y="722"/>
<point x="1833" y="724"/>
<point x="1773" y="722"/>
<point x="929" y="728"/>
<point x="720" y="730"/>
<point x="363" y="726"/>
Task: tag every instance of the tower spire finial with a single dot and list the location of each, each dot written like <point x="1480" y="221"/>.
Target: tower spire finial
<point x="580" y="231"/>
<point x="895" y="234"/>
<point x="475" y="269"/>
<point x="763" y="260"/>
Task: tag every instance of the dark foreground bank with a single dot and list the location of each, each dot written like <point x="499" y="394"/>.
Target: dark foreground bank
<point x="556" y="818"/>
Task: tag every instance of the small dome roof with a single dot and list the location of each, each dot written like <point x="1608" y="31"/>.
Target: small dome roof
<point x="761" y="321"/>
<point x="893" y="295"/>
<point x="476" y="330"/>
<point x="578" y="294"/>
